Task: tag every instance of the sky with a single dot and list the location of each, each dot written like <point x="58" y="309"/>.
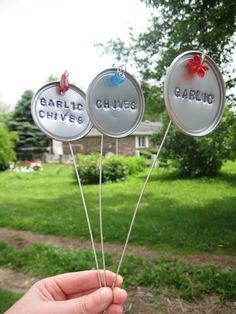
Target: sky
<point x="43" y="37"/>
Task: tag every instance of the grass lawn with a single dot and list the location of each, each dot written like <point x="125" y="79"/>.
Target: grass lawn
<point x="160" y="274"/>
<point x="7" y="298"/>
<point x="169" y="278"/>
<point x="180" y="215"/>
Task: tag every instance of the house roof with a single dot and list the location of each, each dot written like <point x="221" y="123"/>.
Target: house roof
<point x="144" y="128"/>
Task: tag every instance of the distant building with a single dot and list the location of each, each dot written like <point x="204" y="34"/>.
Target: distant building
<point x="129" y="145"/>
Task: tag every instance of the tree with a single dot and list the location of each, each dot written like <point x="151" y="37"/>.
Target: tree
<point x="7" y="144"/>
<point x="154" y="103"/>
<point x="178" y="26"/>
<point x="5" y="113"/>
<point x="175" y="27"/>
<point x="32" y="142"/>
<point x="197" y="157"/>
<point x="52" y="78"/>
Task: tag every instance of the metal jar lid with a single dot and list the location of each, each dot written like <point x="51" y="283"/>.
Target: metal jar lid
<point x="194" y="97"/>
<point x="115" y="103"/>
<point x="62" y="117"/>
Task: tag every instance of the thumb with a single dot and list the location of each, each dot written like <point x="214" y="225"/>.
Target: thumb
<point x="93" y="303"/>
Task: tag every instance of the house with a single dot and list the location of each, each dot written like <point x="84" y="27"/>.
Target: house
<point x="129" y="145"/>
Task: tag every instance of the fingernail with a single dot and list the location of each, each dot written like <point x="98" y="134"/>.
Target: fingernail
<point x="105" y="294"/>
<point x="120" y="277"/>
<point x="125" y="294"/>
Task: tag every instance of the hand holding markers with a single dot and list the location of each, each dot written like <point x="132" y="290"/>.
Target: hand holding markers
<point x="195" y="104"/>
<point x="72" y="293"/>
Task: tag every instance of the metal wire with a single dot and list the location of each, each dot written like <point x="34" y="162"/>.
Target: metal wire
<point x="138" y="204"/>
<point x="100" y="213"/>
<point x="86" y="214"/>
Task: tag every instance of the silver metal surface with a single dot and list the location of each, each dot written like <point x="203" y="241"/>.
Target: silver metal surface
<point x="195" y="104"/>
<point x="62" y="117"/>
<point x="115" y="110"/>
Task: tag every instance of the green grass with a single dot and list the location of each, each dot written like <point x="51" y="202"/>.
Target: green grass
<point x="180" y="215"/>
<point x="7" y="298"/>
<point x="176" y="278"/>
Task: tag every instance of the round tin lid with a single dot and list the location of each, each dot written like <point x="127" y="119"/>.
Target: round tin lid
<point x="115" y="103"/>
<point x="63" y="117"/>
<point x="194" y="93"/>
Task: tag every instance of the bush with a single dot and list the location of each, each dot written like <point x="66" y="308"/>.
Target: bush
<point x="115" y="168"/>
<point x="154" y="151"/>
<point x="145" y="154"/>
<point x="135" y="164"/>
<point x="88" y="167"/>
<point x="7" y="145"/>
<point x="200" y="156"/>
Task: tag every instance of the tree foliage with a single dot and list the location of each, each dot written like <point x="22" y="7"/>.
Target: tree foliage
<point x="199" y="156"/>
<point x="52" y="78"/>
<point x="177" y="26"/>
<point x="7" y="144"/>
<point x="32" y="142"/>
<point x="5" y="113"/>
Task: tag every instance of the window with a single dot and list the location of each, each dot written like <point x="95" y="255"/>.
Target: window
<point x="142" y="141"/>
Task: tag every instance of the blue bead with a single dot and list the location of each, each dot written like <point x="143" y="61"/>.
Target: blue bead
<point x="117" y="78"/>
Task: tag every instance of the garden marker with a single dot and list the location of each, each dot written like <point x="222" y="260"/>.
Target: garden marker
<point x="194" y="93"/>
<point x="59" y="110"/>
<point x="194" y="97"/>
<point x="61" y="115"/>
<point x="115" y="102"/>
<point x="115" y="105"/>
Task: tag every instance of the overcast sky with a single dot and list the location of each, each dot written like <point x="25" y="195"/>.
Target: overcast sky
<point x="43" y="37"/>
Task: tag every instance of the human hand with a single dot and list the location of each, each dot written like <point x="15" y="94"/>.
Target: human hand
<point x="72" y="293"/>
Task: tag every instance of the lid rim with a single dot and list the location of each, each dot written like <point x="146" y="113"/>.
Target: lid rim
<point x="206" y="130"/>
<point x="89" y="103"/>
<point x="42" y="128"/>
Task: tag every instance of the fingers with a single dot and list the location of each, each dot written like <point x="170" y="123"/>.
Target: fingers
<point x="114" y="309"/>
<point x="76" y="283"/>
<point x="82" y="295"/>
<point x="94" y="303"/>
<point x="99" y="301"/>
<point x="119" y="296"/>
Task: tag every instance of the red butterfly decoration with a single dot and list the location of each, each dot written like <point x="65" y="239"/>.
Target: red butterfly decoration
<point x="196" y="66"/>
<point x="64" y="83"/>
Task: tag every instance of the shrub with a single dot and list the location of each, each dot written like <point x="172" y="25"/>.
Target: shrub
<point x="7" y="145"/>
<point x="135" y="164"/>
<point x="115" y="168"/>
<point x="200" y="156"/>
<point x="145" y="154"/>
<point x="154" y="151"/>
<point x="88" y="166"/>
